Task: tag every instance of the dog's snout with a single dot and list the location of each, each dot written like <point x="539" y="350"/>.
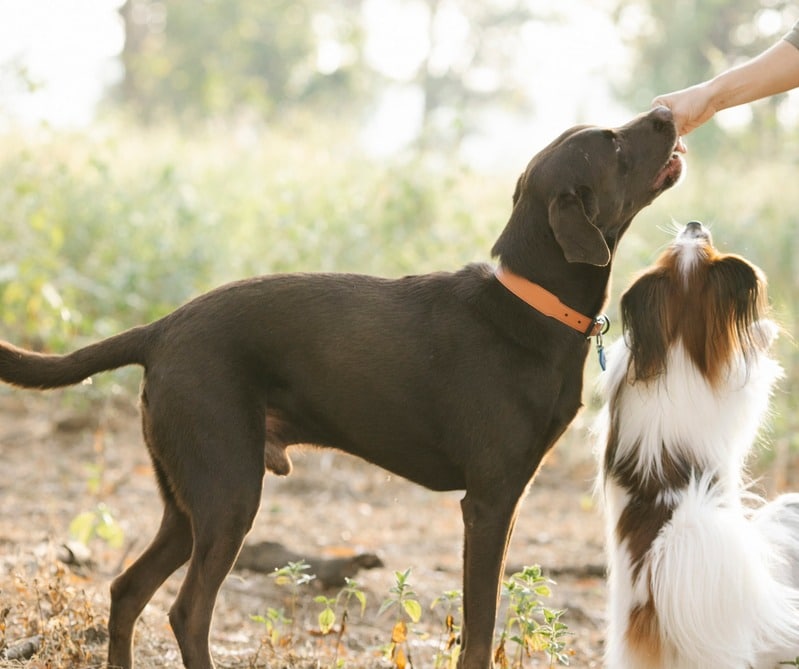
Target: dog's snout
<point x="694" y="230"/>
<point x="694" y="226"/>
<point x="662" y="114"/>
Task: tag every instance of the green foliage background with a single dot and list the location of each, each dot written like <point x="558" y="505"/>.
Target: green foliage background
<point x="109" y="228"/>
<point x="222" y="154"/>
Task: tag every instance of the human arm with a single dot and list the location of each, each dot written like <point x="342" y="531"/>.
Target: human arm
<point x="776" y="70"/>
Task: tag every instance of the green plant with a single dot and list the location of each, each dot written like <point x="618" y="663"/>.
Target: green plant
<point x="327" y="617"/>
<point x="448" y="646"/>
<point x="99" y="522"/>
<point x="553" y="632"/>
<point x="274" y="621"/>
<point x="528" y="623"/>
<point x="404" y="599"/>
<point x="293" y="576"/>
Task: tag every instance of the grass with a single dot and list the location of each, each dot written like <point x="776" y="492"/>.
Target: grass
<point x="55" y="623"/>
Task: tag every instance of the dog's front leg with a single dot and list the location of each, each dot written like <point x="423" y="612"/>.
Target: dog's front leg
<point x="488" y="525"/>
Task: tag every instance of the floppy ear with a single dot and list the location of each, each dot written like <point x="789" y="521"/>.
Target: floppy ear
<point x="736" y="299"/>
<point x="518" y="190"/>
<point x="647" y="323"/>
<point x="571" y="217"/>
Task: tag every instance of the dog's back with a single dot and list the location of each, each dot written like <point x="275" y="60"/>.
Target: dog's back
<point x="696" y="580"/>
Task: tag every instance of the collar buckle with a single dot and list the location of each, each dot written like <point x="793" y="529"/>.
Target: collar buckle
<point x="550" y="305"/>
<point x="599" y="326"/>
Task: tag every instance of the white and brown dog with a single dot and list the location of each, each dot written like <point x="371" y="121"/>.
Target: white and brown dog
<point x="698" y="578"/>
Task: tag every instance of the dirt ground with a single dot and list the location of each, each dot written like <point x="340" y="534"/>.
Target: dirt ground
<point x="331" y="505"/>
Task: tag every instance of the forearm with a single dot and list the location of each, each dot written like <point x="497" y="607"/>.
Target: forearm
<point x="774" y="71"/>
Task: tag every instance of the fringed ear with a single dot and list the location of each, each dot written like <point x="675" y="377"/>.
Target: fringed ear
<point x="571" y="217"/>
<point x="646" y="321"/>
<point x="737" y="300"/>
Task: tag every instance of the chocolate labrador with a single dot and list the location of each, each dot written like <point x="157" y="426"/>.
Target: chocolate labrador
<point x="457" y="381"/>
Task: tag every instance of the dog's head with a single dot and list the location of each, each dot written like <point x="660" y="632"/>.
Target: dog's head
<point x="583" y="190"/>
<point x="712" y="303"/>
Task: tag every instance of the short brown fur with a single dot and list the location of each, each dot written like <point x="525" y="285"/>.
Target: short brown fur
<point x="446" y="379"/>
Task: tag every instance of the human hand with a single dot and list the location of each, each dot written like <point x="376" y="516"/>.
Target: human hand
<point x="691" y="107"/>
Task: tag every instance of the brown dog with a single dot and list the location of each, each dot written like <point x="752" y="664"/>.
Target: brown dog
<point x="452" y="380"/>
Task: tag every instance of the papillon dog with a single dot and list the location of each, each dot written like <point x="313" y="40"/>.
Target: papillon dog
<point x="702" y="575"/>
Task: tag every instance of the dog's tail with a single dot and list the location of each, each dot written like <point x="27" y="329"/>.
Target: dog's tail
<point x="778" y="521"/>
<point x="27" y="369"/>
<point x="718" y="584"/>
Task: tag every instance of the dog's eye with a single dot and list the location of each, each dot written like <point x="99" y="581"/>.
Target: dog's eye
<point x="618" y="149"/>
<point x="621" y="155"/>
<point x="614" y="140"/>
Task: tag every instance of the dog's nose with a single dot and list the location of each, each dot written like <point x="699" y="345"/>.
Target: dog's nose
<point x="662" y="114"/>
<point x="694" y="227"/>
<point x="695" y="230"/>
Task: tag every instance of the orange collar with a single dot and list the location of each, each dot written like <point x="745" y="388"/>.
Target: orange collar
<point x="542" y="300"/>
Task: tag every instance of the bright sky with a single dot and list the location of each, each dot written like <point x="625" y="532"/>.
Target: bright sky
<point x="67" y="48"/>
<point x="566" y="68"/>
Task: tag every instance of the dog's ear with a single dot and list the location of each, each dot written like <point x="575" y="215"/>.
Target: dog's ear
<point x="647" y="323"/>
<point x="571" y="217"/>
<point x="517" y="192"/>
<point x="735" y="299"/>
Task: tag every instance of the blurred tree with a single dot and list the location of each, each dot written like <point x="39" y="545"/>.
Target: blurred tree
<point x="199" y="58"/>
<point x="460" y="77"/>
<point x="680" y="43"/>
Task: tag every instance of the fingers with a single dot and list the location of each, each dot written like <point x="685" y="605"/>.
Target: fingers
<point x="691" y="107"/>
<point x="680" y="119"/>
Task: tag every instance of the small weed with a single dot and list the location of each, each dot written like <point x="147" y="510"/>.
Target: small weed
<point x="327" y="618"/>
<point x="529" y="624"/>
<point x="294" y="577"/>
<point x="274" y="621"/>
<point x="98" y="523"/>
<point x="404" y="598"/>
<point x="448" y="646"/>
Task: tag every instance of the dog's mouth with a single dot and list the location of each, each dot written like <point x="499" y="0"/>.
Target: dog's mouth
<point x="671" y="172"/>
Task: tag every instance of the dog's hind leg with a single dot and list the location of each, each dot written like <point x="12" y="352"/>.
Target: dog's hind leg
<point x="132" y="589"/>
<point x="219" y="531"/>
<point x="220" y="488"/>
<point x="712" y="584"/>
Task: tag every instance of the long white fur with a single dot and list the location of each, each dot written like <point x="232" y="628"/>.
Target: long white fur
<point x="723" y="578"/>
